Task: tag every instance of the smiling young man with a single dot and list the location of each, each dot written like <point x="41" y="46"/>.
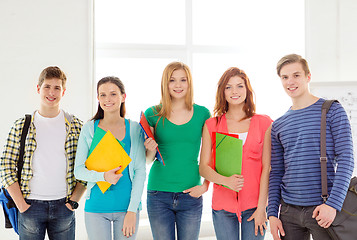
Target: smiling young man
<point x="295" y="177"/>
<point x="48" y="193"/>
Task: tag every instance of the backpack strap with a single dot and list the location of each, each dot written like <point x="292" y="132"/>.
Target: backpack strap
<point x="20" y="162"/>
<point x="323" y="158"/>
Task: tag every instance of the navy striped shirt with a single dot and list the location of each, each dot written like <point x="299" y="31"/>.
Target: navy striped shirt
<point x="295" y="159"/>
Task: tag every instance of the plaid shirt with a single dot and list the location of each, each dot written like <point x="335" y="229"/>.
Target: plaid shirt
<point x="10" y="156"/>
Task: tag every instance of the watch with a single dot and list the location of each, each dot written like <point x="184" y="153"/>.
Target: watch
<point x="73" y="204"/>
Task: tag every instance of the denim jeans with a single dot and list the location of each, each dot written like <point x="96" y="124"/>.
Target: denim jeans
<point x="99" y="225"/>
<point x="226" y="225"/>
<point x="167" y="209"/>
<point x="298" y="223"/>
<point x="53" y="216"/>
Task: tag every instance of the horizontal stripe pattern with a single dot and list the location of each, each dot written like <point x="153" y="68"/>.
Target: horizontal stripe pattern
<point x="295" y="163"/>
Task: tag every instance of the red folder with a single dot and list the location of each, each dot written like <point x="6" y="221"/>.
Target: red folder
<point x="145" y="126"/>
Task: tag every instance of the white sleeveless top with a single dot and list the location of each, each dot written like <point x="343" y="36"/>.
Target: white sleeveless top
<point x="242" y="136"/>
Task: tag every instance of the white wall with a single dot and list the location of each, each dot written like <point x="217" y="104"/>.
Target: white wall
<point x="331" y="39"/>
<point x="331" y="50"/>
<point x="36" y="34"/>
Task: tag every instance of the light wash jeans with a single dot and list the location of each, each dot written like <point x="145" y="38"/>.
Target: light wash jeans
<point x="226" y="225"/>
<point x="99" y="226"/>
<point x="169" y="209"/>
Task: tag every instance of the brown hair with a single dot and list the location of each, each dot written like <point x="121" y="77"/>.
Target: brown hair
<point x="116" y="81"/>
<point x="50" y="73"/>
<point x="292" y="58"/>
<point x="221" y="105"/>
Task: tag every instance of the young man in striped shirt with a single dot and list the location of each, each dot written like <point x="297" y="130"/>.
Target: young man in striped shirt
<point x="295" y="178"/>
<point x="48" y="192"/>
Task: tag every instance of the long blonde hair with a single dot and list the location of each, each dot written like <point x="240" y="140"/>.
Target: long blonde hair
<point x="164" y="108"/>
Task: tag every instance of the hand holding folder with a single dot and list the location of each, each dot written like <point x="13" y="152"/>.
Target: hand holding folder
<point x="228" y="151"/>
<point x="107" y="155"/>
<point x="146" y="128"/>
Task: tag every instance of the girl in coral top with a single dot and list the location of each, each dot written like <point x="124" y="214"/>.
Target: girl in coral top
<point x="243" y="204"/>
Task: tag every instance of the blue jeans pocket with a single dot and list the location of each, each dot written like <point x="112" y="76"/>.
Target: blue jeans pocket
<point x="31" y="206"/>
<point x="152" y="192"/>
<point x="193" y="196"/>
<point x="67" y="209"/>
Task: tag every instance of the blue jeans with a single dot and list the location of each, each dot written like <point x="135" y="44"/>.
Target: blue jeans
<point x="53" y="216"/>
<point x="226" y="225"/>
<point x="167" y="209"/>
<point x="298" y="223"/>
<point x="99" y="225"/>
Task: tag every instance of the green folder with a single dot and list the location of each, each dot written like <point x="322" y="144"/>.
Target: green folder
<point x="229" y="151"/>
<point x="98" y="135"/>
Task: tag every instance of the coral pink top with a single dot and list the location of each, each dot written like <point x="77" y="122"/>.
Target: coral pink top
<point x="247" y="198"/>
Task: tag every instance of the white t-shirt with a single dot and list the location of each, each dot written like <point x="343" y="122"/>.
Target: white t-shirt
<point x="49" y="164"/>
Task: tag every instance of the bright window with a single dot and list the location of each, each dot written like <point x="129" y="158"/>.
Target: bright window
<point x="141" y="22"/>
<point x="136" y="39"/>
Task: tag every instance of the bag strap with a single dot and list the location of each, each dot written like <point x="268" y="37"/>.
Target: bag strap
<point x="96" y="123"/>
<point x="20" y="162"/>
<point x="323" y="158"/>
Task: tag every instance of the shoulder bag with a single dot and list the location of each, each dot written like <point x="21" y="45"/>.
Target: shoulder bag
<point x="344" y="227"/>
<point x="8" y="204"/>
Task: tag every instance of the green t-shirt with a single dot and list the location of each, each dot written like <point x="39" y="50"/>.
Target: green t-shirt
<point x="179" y="146"/>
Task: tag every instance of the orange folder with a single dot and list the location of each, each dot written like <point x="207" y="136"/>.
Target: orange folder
<point x="145" y="126"/>
<point x="108" y="154"/>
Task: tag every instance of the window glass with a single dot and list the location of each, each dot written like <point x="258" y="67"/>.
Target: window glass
<point x="209" y="67"/>
<point x="141" y="78"/>
<point x="140" y="21"/>
<point x="259" y="24"/>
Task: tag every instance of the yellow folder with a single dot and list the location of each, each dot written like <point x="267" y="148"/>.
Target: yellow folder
<point x="108" y="154"/>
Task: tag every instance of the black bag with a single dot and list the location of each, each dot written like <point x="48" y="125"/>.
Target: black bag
<point x="344" y="226"/>
<point x="8" y="204"/>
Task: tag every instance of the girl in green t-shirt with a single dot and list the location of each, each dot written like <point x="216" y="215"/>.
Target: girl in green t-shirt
<point x="174" y="189"/>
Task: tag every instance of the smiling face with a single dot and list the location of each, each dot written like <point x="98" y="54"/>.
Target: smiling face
<point x="178" y="84"/>
<point x="235" y="91"/>
<point x="110" y="98"/>
<point x="294" y="80"/>
<point x="51" y="92"/>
